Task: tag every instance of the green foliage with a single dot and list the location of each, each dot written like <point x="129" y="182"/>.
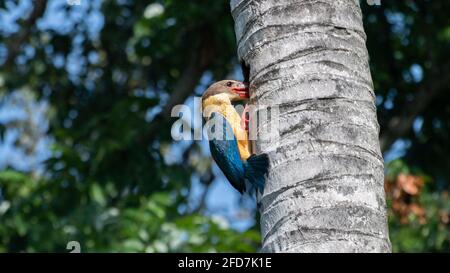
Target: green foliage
<point x="33" y="220"/>
<point x="408" y="44"/>
<point x="107" y="183"/>
<point x="428" y="234"/>
<point x="433" y="236"/>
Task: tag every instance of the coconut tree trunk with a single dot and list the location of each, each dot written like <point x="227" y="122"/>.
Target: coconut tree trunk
<point x="308" y="59"/>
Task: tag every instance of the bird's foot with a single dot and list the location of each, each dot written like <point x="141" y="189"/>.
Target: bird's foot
<point x="245" y="119"/>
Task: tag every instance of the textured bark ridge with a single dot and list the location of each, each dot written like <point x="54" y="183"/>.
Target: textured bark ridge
<point x="325" y="189"/>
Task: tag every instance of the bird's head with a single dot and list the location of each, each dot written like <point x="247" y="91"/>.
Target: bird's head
<point x="233" y="90"/>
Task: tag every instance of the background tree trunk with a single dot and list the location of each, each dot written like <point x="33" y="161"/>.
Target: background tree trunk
<point x="325" y="190"/>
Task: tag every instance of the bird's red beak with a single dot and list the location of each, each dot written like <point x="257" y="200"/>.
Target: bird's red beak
<point x="242" y="90"/>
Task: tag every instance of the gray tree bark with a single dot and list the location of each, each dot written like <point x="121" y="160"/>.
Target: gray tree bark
<point x="325" y="188"/>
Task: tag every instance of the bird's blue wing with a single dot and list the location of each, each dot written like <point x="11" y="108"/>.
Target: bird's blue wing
<point x="225" y="151"/>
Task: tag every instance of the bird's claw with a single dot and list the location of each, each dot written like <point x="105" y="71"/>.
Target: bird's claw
<point x="245" y="119"/>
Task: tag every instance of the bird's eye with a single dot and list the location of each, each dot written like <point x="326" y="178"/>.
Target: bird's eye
<point x="229" y="84"/>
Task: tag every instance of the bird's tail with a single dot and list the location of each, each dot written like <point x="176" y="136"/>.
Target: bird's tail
<point x="256" y="168"/>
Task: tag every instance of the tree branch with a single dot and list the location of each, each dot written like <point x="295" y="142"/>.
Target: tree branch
<point x="400" y="125"/>
<point x="26" y="26"/>
<point x="197" y="64"/>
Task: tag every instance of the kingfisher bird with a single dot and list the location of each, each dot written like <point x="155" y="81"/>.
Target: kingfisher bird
<point x="229" y="146"/>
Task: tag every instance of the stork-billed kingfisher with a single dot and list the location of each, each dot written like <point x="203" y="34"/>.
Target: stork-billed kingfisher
<point x="228" y="137"/>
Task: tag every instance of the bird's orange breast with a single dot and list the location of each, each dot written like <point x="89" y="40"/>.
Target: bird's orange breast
<point x="223" y="105"/>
